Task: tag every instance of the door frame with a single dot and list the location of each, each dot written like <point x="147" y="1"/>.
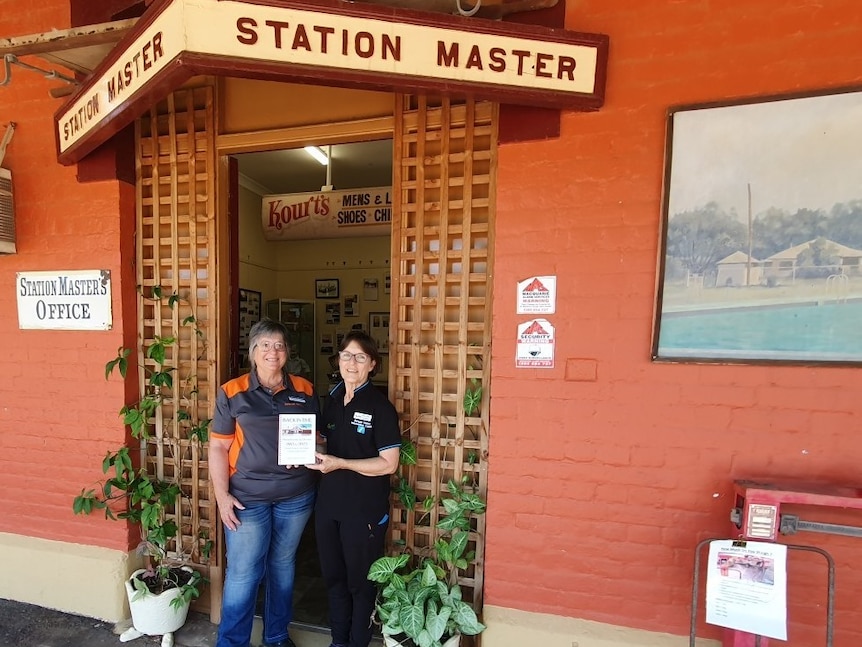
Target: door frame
<point x="226" y="208"/>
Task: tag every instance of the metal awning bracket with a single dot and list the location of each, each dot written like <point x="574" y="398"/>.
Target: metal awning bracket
<point x="490" y="9"/>
<point x="11" y="59"/>
<point x="7" y="77"/>
<point x="468" y="12"/>
<point x="7" y="137"/>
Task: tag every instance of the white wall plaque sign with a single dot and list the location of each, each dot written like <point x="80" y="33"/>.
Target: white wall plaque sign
<point x="64" y="300"/>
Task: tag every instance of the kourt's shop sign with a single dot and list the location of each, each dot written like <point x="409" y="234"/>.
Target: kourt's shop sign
<point x="327" y="214"/>
<point x="353" y="44"/>
<point x="64" y="300"/>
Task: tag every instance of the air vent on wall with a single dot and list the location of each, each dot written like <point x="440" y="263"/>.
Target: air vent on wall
<point x="7" y="213"/>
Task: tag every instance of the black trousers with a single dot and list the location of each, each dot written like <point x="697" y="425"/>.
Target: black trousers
<point x="347" y="548"/>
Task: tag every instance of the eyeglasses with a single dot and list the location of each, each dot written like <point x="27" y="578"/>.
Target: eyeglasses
<point x="278" y="346"/>
<point x="346" y="356"/>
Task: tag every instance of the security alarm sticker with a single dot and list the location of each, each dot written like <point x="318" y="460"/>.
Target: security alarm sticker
<point x="537" y="295"/>
<point x="535" y="347"/>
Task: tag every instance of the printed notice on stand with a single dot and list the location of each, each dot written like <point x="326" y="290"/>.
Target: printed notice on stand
<point x="746" y="587"/>
<point x="537" y="295"/>
<point x="297" y="436"/>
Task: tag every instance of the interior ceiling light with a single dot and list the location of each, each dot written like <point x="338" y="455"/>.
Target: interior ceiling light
<point x="317" y="154"/>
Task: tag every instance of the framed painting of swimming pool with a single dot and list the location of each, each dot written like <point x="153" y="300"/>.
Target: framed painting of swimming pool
<point x="760" y="255"/>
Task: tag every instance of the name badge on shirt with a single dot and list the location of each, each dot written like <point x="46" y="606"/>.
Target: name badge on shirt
<point x="362" y="422"/>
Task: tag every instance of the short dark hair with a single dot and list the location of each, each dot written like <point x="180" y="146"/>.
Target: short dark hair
<point x="367" y="344"/>
<point x="265" y="328"/>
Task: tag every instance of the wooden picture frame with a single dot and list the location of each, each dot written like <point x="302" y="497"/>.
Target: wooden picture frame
<point x="761" y="243"/>
<point x="326" y="289"/>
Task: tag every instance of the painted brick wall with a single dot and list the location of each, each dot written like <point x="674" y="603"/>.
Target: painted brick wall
<point x="58" y="415"/>
<point x="607" y="470"/>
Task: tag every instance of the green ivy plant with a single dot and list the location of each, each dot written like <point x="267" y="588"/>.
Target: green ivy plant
<point x="419" y="600"/>
<point x="403" y="490"/>
<point x="136" y="495"/>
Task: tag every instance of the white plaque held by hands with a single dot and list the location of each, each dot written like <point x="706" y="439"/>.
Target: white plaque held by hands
<point x="297" y="437"/>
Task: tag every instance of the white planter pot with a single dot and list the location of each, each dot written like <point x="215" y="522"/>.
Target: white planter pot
<point x="153" y="615"/>
<point x="391" y="641"/>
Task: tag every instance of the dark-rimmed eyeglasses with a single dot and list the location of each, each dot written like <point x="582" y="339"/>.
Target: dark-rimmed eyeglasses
<point x="346" y="356"/>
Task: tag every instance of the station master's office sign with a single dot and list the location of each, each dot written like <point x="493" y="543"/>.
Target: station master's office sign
<point x="71" y="300"/>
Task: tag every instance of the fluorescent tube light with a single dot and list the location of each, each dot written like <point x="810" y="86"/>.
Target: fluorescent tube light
<point x="317" y="154"/>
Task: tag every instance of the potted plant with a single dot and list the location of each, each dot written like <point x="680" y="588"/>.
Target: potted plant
<point x="419" y="599"/>
<point x="159" y="594"/>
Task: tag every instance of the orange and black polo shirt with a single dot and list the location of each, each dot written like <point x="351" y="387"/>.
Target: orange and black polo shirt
<point x="247" y="413"/>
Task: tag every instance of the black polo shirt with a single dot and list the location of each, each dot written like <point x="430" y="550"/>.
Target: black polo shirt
<point x="362" y="429"/>
<point x="247" y="413"/>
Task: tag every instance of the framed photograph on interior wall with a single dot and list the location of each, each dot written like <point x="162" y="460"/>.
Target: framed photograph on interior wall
<point x="370" y="290"/>
<point x="249" y="314"/>
<point x="351" y="305"/>
<point x="761" y="246"/>
<point x="378" y="328"/>
<point x="333" y="313"/>
<point x="326" y="347"/>
<point x="326" y="288"/>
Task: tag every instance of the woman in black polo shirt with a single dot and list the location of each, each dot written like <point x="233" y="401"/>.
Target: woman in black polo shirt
<point x="352" y="512"/>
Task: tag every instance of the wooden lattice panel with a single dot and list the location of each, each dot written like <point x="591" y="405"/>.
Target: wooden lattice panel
<point x="442" y="244"/>
<point x="175" y="159"/>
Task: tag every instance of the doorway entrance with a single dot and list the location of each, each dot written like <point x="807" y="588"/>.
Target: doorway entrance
<point x="441" y="261"/>
<point x="321" y="280"/>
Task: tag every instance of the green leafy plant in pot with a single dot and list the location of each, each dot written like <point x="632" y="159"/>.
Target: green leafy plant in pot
<point x="419" y="600"/>
<point x="159" y="594"/>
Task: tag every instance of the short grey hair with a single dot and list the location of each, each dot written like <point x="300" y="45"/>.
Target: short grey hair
<point x="265" y="328"/>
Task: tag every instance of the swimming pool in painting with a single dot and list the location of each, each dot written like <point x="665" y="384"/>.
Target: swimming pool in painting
<point x="806" y="332"/>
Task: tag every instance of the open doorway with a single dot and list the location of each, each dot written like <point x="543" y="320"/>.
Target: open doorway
<point x="321" y="279"/>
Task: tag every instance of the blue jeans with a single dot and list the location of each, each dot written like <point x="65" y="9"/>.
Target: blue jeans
<point x="262" y="548"/>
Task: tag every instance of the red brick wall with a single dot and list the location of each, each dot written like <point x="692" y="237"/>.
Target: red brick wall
<point x="58" y="415"/>
<point x="607" y="470"/>
<point x="604" y="471"/>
